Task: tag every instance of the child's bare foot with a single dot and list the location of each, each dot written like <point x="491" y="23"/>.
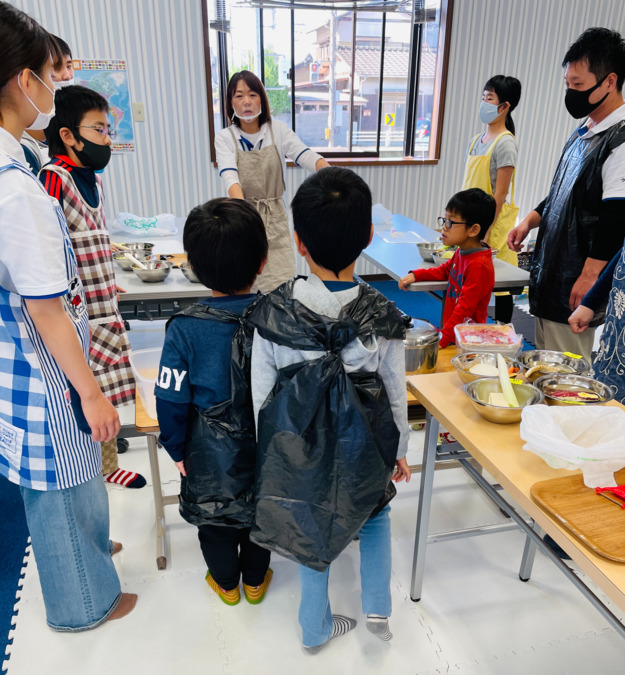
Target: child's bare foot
<point x="125" y="605"/>
<point x="117" y="547"/>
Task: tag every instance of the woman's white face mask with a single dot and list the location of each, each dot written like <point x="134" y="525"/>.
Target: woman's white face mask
<point x="246" y="118"/>
<point x="42" y="120"/>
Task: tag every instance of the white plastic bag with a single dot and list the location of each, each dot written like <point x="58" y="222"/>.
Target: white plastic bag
<point x="590" y="438"/>
<point x="163" y="225"/>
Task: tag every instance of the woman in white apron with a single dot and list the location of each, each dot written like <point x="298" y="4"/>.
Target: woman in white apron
<point x="250" y="155"/>
<point x="490" y="165"/>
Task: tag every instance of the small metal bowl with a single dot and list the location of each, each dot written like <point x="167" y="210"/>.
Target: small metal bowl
<point x="137" y="246"/>
<point x="550" y="358"/>
<point x="126" y="264"/>
<point x="187" y="270"/>
<point x="463" y="362"/>
<point x="156" y="271"/>
<point x="479" y="391"/>
<point x="440" y="255"/>
<point x="426" y="248"/>
<point x="562" y="382"/>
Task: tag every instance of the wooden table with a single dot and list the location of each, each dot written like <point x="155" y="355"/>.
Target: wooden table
<point x="443" y="365"/>
<point x="498" y="449"/>
<point x="148" y="426"/>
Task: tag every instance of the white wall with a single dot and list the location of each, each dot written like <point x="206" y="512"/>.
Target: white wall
<point x="162" y="42"/>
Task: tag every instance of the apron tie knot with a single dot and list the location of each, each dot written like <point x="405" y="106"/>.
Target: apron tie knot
<point x="264" y="203"/>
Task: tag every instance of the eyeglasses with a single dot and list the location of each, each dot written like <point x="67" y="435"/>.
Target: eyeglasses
<point x="105" y="131"/>
<point x="447" y="223"/>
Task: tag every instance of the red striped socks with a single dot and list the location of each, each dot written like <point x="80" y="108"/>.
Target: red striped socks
<point x="129" y="479"/>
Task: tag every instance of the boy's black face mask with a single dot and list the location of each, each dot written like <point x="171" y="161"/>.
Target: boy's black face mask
<point x="93" y="155"/>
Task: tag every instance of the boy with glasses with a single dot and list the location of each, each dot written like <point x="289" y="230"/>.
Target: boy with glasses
<point x="79" y="139"/>
<point x="470" y="272"/>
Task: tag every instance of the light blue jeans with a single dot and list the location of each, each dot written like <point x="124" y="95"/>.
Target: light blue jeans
<point x="69" y="531"/>
<point x="315" y="615"/>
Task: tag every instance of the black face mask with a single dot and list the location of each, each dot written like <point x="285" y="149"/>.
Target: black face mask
<point x="93" y="155"/>
<point x="577" y="102"/>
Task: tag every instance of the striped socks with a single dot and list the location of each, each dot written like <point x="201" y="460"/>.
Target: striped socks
<point x="378" y="625"/>
<point x="340" y="626"/>
<point x="255" y="594"/>
<point x="129" y="479"/>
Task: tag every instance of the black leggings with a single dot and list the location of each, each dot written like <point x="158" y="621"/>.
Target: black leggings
<point x="220" y="548"/>
<point x="504" y="304"/>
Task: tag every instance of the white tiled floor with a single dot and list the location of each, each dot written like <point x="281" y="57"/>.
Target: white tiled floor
<point x="475" y="615"/>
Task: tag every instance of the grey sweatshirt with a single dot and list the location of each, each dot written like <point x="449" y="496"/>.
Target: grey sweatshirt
<point x="374" y="354"/>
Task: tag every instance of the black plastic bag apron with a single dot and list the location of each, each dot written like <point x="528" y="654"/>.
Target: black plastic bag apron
<point x="220" y="448"/>
<point x="569" y="223"/>
<point x="327" y="439"/>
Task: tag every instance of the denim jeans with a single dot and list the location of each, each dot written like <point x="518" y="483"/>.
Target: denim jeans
<point x="69" y="531"/>
<point x="315" y="615"/>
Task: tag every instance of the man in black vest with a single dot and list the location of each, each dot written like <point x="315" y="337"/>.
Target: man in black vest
<point x="582" y="221"/>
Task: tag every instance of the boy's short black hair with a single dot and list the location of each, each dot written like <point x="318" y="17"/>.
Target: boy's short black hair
<point x="332" y="217"/>
<point x="226" y="243"/>
<point x="63" y="46"/>
<point x="474" y="206"/>
<point x="71" y="104"/>
<point x="604" y="52"/>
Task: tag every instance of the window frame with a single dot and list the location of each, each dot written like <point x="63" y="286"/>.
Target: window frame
<point x="360" y="158"/>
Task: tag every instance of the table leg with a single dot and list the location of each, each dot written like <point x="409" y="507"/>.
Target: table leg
<point x="161" y="558"/>
<point x="529" y="553"/>
<point x="425" y="501"/>
<point x="533" y="534"/>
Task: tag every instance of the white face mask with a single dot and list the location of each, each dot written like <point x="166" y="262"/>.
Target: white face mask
<point x="246" y="118"/>
<point x="59" y="84"/>
<point x="43" y="119"/>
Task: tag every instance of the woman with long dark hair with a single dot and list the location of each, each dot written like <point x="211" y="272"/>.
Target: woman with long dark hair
<point x="490" y="164"/>
<point x="250" y="155"/>
<point x="53" y="414"/>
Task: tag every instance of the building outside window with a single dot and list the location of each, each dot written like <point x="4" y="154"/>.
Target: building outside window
<point x="354" y="84"/>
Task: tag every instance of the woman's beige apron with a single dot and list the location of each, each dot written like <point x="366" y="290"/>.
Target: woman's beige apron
<point x="477" y="175"/>
<point x="262" y="182"/>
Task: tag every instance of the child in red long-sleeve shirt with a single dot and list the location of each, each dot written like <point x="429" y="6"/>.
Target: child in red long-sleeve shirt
<point x="470" y="273"/>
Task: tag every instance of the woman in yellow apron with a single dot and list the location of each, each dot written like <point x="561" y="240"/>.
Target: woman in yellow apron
<point x="250" y="155"/>
<point x="490" y="165"/>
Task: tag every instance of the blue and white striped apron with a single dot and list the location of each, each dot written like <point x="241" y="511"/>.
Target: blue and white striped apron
<point x="41" y="446"/>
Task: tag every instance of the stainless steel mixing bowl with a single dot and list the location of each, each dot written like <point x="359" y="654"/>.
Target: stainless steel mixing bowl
<point x="156" y="271"/>
<point x="479" y="391"/>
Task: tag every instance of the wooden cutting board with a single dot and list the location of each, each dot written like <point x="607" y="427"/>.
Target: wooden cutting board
<point x="595" y="521"/>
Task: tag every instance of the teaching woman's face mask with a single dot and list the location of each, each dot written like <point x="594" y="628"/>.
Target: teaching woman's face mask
<point x="43" y="119"/>
<point x="247" y="118"/>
